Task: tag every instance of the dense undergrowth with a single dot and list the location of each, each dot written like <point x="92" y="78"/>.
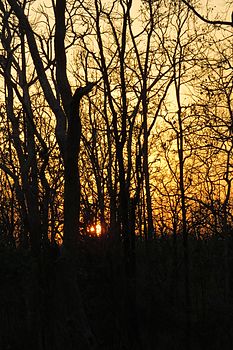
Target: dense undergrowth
<point x="37" y="308"/>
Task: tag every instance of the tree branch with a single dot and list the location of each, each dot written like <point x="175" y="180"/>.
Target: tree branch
<point x="206" y="20"/>
<point x="60" y="55"/>
<point x="48" y="92"/>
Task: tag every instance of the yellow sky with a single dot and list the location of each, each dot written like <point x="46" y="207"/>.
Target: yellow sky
<point x="219" y="7"/>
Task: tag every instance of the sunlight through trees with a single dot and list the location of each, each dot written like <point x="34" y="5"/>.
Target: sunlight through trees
<point x="116" y="123"/>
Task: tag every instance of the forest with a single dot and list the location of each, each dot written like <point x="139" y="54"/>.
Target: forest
<point x="116" y="173"/>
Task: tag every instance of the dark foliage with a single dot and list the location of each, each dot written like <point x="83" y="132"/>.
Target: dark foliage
<point x="37" y="302"/>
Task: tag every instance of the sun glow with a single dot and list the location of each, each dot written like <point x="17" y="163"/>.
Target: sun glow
<point x="95" y="230"/>
<point x="98" y="230"/>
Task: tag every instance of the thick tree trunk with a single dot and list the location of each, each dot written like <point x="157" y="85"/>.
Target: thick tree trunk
<point x="71" y="175"/>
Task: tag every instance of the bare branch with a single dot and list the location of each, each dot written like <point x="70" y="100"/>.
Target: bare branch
<point x="215" y="22"/>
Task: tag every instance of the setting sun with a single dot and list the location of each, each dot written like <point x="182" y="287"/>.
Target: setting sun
<point x="98" y="230"/>
<point x="94" y="230"/>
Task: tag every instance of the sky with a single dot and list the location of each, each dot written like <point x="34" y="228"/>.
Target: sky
<point x="219" y="7"/>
